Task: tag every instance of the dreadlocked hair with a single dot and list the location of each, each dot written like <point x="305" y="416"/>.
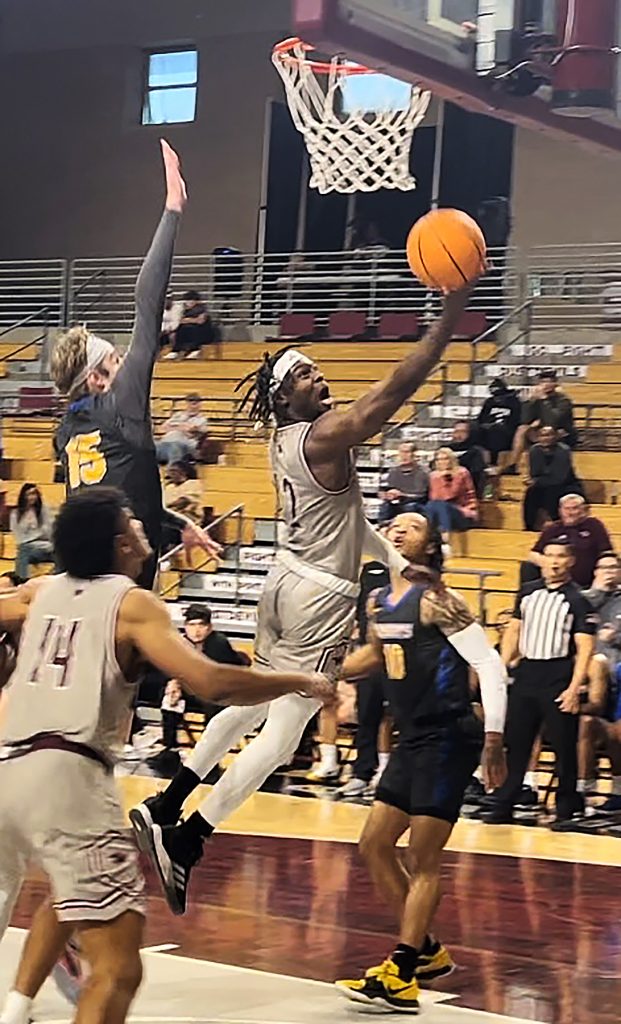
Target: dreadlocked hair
<point x="258" y="394"/>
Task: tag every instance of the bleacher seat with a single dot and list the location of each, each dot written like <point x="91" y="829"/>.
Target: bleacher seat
<point x="398" y="326"/>
<point x="37" y="400"/>
<point x="471" y="325"/>
<point x="347" y="324"/>
<point x="296" y="325"/>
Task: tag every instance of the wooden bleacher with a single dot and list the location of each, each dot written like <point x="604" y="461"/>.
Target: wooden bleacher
<point x="352" y="367"/>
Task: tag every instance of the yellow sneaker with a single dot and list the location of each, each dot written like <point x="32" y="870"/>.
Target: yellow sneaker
<point x="384" y="988"/>
<point x="436" y="962"/>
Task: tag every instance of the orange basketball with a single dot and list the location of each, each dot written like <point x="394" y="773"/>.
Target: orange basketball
<point x="446" y="249"/>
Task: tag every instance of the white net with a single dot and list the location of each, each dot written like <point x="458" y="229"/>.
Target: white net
<point x="350" y="150"/>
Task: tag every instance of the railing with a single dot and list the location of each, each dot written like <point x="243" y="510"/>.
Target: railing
<point x="78" y="306"/>
<point x="29" y="286"/>
<point x="570" y="285"/>
<point x="576" y="285"/>
<point x="164" y="563"/>
<point x="258" y="289"/>
<point x="483" y="575"/>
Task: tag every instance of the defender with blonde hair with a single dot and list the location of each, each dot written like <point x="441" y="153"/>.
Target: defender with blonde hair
<point x="106" y="435"/>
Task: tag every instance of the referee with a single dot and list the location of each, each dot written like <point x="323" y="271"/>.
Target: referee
<point x="551" y="634"/>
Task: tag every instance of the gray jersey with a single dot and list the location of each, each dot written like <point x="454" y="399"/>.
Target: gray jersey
<point x="323" y="529"/>
<point x="67" y="679"/>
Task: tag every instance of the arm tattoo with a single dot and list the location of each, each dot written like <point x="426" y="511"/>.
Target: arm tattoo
<point x="445" y="609"/>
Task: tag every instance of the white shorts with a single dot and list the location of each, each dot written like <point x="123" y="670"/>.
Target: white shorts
<point x="302" y="625"/>
<point x="62" y="811"/>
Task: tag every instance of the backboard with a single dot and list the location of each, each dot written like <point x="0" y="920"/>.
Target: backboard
<point x="552" y="65"/>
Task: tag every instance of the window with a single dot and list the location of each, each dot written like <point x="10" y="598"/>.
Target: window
<point x="171" y="87"/>
<point x="374" y="93"/>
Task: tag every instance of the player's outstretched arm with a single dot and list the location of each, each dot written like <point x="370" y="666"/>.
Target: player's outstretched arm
<point x="132" y="386"/>
<point x="144" y="622"/>
<point x="14" y="604"/>
<point x="337" y="432"/>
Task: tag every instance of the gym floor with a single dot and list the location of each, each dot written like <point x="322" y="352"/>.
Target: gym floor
<point x="281" y="906"/>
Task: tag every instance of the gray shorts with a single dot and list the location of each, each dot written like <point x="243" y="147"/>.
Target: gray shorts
<point x="302" y="625"/>
<point x="62" y="812"/>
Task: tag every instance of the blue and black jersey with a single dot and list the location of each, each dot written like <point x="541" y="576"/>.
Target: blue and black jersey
<point x="428" y="681"/>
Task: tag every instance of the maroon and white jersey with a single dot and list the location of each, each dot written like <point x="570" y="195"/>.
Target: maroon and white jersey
<point x="67" y="679"/>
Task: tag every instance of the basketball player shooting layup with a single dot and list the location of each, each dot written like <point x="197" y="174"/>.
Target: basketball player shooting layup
<point x="106" y="436"/>
<point x="424" y="637"/>
<point x="84" y="634"/>
<point x="308" y="605"/>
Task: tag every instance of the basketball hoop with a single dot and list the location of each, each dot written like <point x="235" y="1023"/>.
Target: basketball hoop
<point x="350" y="151"/>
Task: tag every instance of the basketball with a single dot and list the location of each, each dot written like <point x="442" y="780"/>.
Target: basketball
<point x="446" y="249"/>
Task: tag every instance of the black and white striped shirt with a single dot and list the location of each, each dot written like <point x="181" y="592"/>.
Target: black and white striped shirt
<point x="550" y="620"/>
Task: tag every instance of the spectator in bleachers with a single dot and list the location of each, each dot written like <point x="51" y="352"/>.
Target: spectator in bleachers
<point x="182" y="432"/>
<point x="498" y="420"/>
<point x="552" y="476"/>
<point x="470" y="454"/>
<point x="170" y="320"/>
<point x="200" y="633"/>
<point x="587" y="535"/>
<point x="547" y="407"/>
<point x="183" y="492"/>
<point x="406" y="485"/>
<point x="31" y="526"/>
<point x="601" y="721"/>
<point x="452" y="504"/>
<point x="195" y="329"/>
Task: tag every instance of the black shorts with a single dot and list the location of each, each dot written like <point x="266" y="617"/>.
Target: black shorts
<point x="428" y="772"/>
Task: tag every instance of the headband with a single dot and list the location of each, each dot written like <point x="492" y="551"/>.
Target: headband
<point x="96" y="351"/>
<point x="283" y="366"/>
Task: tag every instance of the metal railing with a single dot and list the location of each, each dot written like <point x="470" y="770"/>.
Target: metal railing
<point x="29" y="286"/>
<point x="164" y="563"/>
<point x="258" y="289"/>
<point x="577" y="285"/>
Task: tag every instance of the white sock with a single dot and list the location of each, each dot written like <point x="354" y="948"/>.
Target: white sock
<point x="328" y="756"/>
<point x="478" y="774"/>
<point x="16" y="1009"/>
<point x="580" y="786"/>
<point x="530" y="780"/>
<point x="616" y="785"/>
<point x="382" y="761"/>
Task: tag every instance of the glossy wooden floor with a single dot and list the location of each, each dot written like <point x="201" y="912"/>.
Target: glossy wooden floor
<point x="532" y="918"/>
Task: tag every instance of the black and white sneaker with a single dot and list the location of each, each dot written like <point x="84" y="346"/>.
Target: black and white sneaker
<point x="173" y="854"/>
<point x="147" y="814"/>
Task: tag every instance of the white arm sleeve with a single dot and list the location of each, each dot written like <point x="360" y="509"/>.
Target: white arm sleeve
<point x="378" y="547"/>
<point x="474" y="647"/>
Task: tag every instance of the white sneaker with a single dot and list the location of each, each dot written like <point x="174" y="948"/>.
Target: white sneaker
<point x="447" y="551"/>
<point x="172" y="355"/>
<point x="130" y="753"/>
<point x="194" y="355"/>
<point x="323" y="773"/>
<point x="355" y="787"/>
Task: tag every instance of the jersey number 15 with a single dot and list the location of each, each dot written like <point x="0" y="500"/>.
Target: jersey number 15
<point x="86" y="463"/>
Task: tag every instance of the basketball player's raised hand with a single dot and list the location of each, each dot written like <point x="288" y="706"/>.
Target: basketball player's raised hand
<point x="194" y="537"/>
<point x="176" y="191"/>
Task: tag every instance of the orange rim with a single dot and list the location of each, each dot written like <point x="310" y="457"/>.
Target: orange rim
<point x="283" y="52"/>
